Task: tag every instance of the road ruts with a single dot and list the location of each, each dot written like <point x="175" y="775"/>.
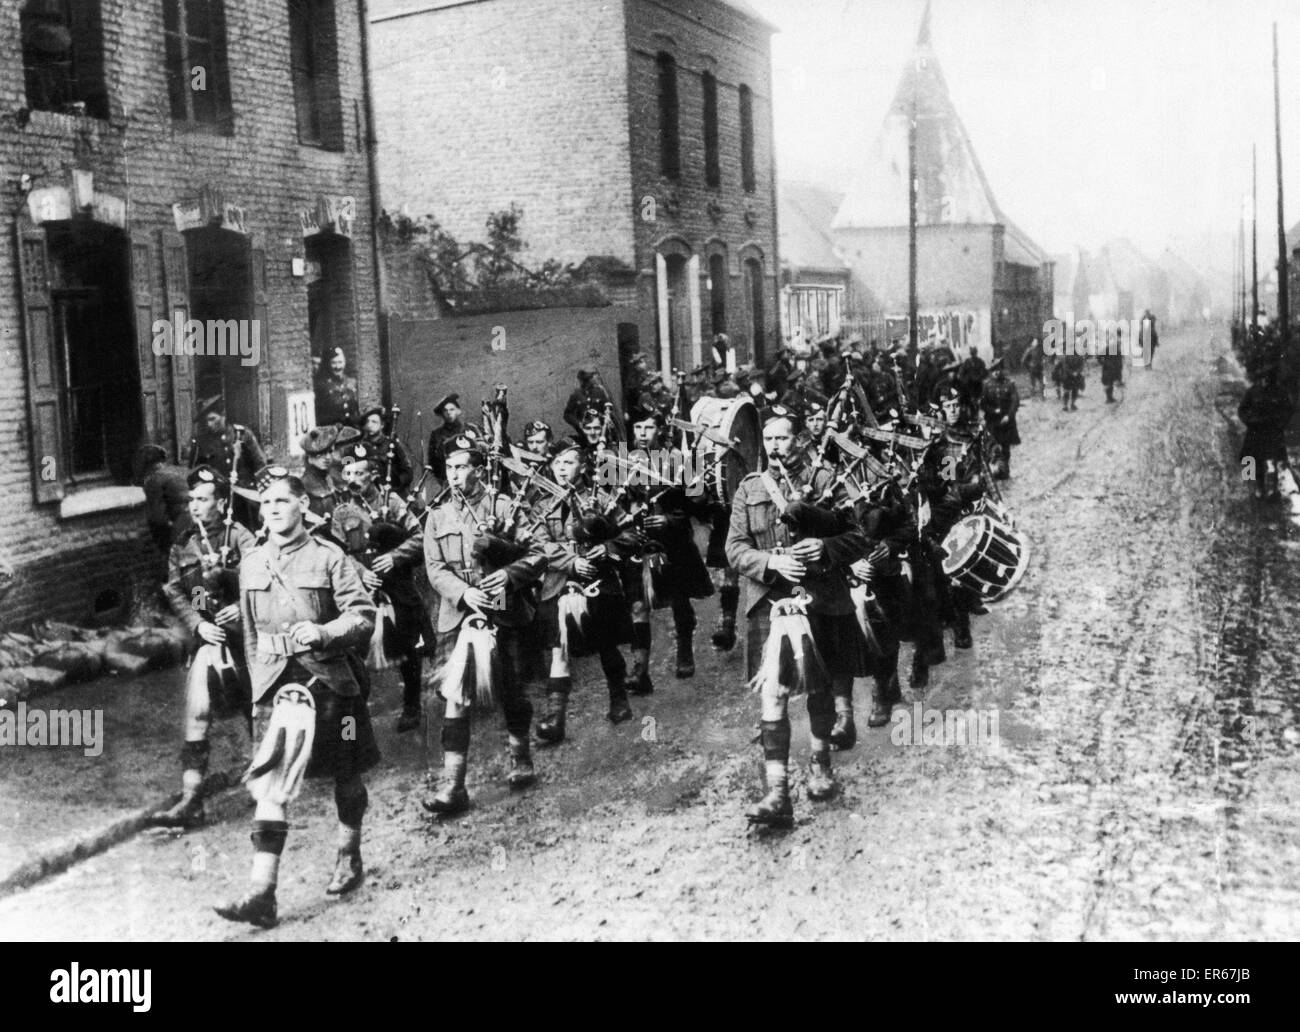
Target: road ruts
<point x="1125" y="800"/>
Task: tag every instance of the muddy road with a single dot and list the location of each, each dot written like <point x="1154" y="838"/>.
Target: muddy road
<point x="1143" y="780"/>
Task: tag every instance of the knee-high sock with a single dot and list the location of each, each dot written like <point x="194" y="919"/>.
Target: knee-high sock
<point x="268" y="843"/>
<point x="455" y="749"/>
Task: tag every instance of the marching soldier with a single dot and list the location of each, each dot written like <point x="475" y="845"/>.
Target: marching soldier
<point x="583" y="609"/>
<point x="380" y="443"/>
<point x="304" y="610"/>
<point x="336" y="393"/>
<point x="203" y="591"/>
<point x="803" y="569"/>
<point x="970" y="380"/>
<point x="383" y="537"/>
<point x="481" y="563"/>
<point x="1001" y="402"/>
<point x="667" y="571"/>
<point x="1072" y="379"/>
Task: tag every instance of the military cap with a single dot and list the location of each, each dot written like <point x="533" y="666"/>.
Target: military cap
<point x="318" y="439"/>
<point x="536" y="426"/>
<point x="374" y="410"/>
<point x="334" y="353"/>
<point x="814" y="408"/>
<point x="463" y="443"/>
<point x="592" y="412"/>
<point x="208" y="475"/>
<point x="345" y="435"/>
<point x="444" y="401"/>
<point x="644" y="410"/>
<point x="587" y="371"/>
<point x="264" y="477"/>
<point x="564" y="444"/>
<point x="357" y="451"/>
<point x="212" y="404"/>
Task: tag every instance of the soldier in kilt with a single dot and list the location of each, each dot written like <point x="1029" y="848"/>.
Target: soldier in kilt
<point x="795" y="555"/>
<point x="583" y="609"/>
<point x="305" y="612"/>
<point x="203" y="591"/>
<point x="666" y="570"/>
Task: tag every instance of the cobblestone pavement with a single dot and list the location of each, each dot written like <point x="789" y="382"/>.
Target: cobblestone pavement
<point x="1143" y="784"/>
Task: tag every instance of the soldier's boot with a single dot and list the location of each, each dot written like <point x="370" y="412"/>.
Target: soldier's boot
<point x="961" y="636"/>
<point x="551" y="726"/>
<point x="1110" y="394"/>
<point x="774" y="810"/>
<point x="620" y="710"/>
<point x="844" y="734"/>
<point x="685" y="654"/>
<point x="884" y="693"/>
<point x="821" y="779"/>
<point x="189" y="812"/>
<point x="639" y="682"/>
<point x="257" y="906"/>
<point x="724" y="635"/>
<point x="451" y="798"/>
<point x="521" y="764"/>
<point x="350" y="800"/>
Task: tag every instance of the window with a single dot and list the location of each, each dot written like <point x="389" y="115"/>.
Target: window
<point x="63" y="57"/>
<point x="198" y="79"/>
<point x="718" y="293"/>
<point x="712" y="168"/>
<point x="670" y="156"/>
<point x="747" y="139"/>
<point x="313" y="61"/>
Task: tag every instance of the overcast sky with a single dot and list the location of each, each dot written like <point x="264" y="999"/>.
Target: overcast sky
<point x="1092" y="118"/>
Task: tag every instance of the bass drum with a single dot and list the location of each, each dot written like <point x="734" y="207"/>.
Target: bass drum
<point x="724" y="468"/>
<point x="986" y="554"/>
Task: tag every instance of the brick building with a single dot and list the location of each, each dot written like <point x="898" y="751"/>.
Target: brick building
<point x="200" y="157"/>
<point x="637" y="134"/>
<point x="980" y="279"/>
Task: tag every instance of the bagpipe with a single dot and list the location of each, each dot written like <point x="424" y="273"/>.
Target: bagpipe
<point x="366" y="533"/>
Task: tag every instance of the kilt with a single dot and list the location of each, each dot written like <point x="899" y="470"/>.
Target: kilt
<point x="611" y="625"/>
<point x="233" y="695"/>
<point x="1263" y="445"/>
<point x="341" y="751"/>
<point x="838" y="638"/>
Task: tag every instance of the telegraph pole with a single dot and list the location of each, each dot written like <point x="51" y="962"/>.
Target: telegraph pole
<point x="1283" y="282"/>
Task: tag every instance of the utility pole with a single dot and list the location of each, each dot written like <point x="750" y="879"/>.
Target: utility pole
<point x="1254" y="242"/>
<point x="1283" y="283"/>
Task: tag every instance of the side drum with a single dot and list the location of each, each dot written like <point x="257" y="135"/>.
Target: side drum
<point x="986" y="555"/>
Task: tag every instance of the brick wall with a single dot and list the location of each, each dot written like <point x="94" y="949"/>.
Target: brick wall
<point x="152" y="162"/>
<point x="482" y="105"/>
<point x="704" y="36"/>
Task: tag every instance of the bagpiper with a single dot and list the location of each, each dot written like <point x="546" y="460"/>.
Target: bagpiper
<point x="481" y="562"/>
<point x="304" y="612"/>
<point x="582" y="608"/>
<point x="383" y="537"/>
<point x="320" y="475"/>
<point x="231" y="448"/>
<point x="665" y="569"/>
<point x="203" y="591"/>
<point x="803" y="636"/>
<point x="381" y="444"/>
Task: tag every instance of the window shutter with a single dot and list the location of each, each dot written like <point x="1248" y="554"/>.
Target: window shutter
<point x="42" y="365"/>
<point x="142" y="266"/>
<point x="176" y="291"/>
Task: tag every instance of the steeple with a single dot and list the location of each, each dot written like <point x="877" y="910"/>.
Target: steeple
<point x="952" y="189"/>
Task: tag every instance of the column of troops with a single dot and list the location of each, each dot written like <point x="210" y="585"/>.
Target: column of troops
<point x="851" y="498"/>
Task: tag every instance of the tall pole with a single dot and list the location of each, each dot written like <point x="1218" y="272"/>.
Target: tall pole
<point x="911" y="225"/>
<point x="1283" y="283"/>
<point x="1254" y="242"/>
<point x="1241" y="264"/>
